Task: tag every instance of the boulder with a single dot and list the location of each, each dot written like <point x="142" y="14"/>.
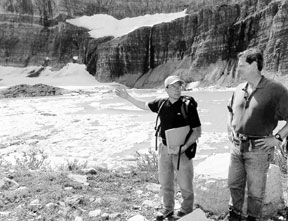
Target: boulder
<point x="212" y="193"/>
<point x="137" y="218"/>
<point x="210" y="183"/>
<point x="7" y="183"/>
<point x="273" y="200"/>
<point x="197" y="214"/>
<point x="79" y="178"/>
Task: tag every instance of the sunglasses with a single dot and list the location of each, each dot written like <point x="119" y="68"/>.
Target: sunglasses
<point x="175" y="87"/>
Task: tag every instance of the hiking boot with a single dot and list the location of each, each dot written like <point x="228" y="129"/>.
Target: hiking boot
<point x="232" y="216"/>
<point x="180" y="214"/>
<point x="163" y="214"/>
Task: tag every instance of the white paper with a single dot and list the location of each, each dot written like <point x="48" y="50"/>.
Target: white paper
<point x="175" y="138"/>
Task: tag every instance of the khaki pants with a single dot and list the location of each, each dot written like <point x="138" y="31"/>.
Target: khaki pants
<point x="167" y="168"/>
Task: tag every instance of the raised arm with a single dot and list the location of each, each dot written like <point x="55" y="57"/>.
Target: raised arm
<point x="229" y="126"/>
<point x="284" y="131"/>
<point x="122" y="92"/>
<point x="230" y="118"/>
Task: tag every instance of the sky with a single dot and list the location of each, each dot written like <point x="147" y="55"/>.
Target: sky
<point x="101" y="25"/>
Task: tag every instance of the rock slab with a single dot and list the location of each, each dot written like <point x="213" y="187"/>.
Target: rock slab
<point x="212" y="193"/>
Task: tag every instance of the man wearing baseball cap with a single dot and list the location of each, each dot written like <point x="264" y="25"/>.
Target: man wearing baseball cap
<point x="172" y="80"/>
<point x="171" y="116"/>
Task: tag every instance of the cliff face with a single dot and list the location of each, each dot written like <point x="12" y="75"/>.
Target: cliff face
<point x="201" y="46"/>
<point x="74" y="8"/>
<point x="31" y="30"/>
<point x="23" y="44"/>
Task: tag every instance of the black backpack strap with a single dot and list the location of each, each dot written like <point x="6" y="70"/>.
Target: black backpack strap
<point x="186" y="101"/>
<point x="179" y="155"/>
<point x="157" y="127"/>
<point x="184" y="107"/>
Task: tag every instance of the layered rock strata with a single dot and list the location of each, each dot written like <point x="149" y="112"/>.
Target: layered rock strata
<point x="202" y="46"/>
<point x="32" y="30"/>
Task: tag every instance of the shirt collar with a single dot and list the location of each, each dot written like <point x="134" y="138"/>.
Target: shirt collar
<point x="176" y="102"/>
<point x="261" y="83"/>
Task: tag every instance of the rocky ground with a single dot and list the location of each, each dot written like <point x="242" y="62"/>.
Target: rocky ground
<point x="81" y="194"/>
<point x="25" y="90"/>
<point x="31" y="191"/>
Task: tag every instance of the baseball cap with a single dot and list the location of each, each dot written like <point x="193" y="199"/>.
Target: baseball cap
<point x="173" y="79"/>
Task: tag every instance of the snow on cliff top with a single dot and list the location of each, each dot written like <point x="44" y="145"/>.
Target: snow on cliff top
<point x="101" y="25"/>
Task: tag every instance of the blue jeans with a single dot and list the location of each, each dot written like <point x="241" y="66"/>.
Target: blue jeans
<point x="167" y="168"/>
<point x="249" y="167"/>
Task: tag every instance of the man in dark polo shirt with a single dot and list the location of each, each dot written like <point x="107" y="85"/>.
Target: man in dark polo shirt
<point x="171" y="117"/>
<point x="255" y="108"/>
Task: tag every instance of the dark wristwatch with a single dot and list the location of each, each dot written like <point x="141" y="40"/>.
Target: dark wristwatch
<point x="278" y="137"/>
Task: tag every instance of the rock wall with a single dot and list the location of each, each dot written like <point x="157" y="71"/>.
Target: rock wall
<point x="31" y="30"/>
<point x="23" y="44"/>
<point x="201" y="46"/>
<point x="73" y="8"/>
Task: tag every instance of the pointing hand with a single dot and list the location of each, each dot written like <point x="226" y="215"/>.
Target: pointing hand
<point x="121" y="92"/>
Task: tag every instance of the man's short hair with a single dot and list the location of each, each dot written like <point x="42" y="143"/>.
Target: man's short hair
<point x="252" y="55"/>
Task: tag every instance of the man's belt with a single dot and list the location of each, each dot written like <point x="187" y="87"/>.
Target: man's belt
<point x="243" y="137"/>
<point x="246" y="143"/>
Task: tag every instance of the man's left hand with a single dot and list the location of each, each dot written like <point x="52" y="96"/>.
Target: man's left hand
<point x="267" y="143"/>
